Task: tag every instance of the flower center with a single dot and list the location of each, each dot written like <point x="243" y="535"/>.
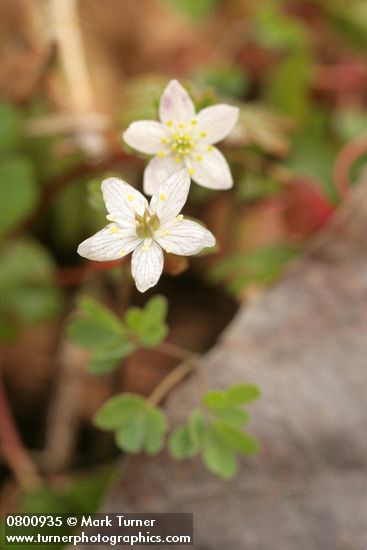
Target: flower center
<point x="182" y="143"/>
<point x="146" y="225"/>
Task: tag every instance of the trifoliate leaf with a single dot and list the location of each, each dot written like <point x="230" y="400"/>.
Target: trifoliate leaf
<point x="241" y="394"/>
<point x="118" y="410"/>
<point x="156" y="426"/>
<point x="235" y="438"/>
<point x="130" y="437"/>
<point x="218" y="457"/>
<point x="181" y="444"/>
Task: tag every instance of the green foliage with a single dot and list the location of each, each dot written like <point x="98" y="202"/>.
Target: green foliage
<point x="138" y="425"/>
<point x="148" y="324"/>
<point x="28" y="293"/>
<point x="194" y="9"/>
<point x="276" y="30"/>
<point x="227" y="80"/>
<point x="10" y="127"/>
<point x="288" y="84"/>
<point x="79" y="495"/>
<point x="218" y="436"/>
<point x="260" y="266"/>
<point x="110" y="339"/>
<point x="18" y="191"/>
<point x="252" y="187"/>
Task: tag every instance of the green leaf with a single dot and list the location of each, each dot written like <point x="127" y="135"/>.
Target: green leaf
<point x="98" y="311"/>
<point x="18" y="191"/>
<point x="130" y="437"/>
<point x="156" y="426"/>
<point x="153" y="335"/>
<point x="117" y="411"/>
<point x="156" y="309"/>
<point x="106" y="359"/>
<point x="233" y="415"/>
<point x="214" y="399"/>
<point x="10" y="127"/>
<point x="235" y="438"/>
<point x="148" y="323"/>
<point x="91" y="333"/>
<point x="196" y="427"/>
<point x="181" y="444"/>
<point x="134" y="318"/>
<point x="27" y="289"/>
<point x="242" y="393"/>
<point x="218" y="457"/>
<point x="98" y="327"/>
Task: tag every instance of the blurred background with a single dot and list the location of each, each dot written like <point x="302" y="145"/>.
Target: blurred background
<point x="73" y="75"/>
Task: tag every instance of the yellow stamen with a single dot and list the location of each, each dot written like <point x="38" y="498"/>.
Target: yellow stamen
<point x="203" y="134"/>
<point x="145" y="247"/>
<point x="122" y="253"/>
<point x="179" y="217"/>
<point x="169" y="122"/>
<point x="199" y="158"/>
<point x="164" y="232"/>
<point x="161" y="154"/>
<point x="131" y="197"/>
<point x="181" y="125"/>
<point x="194" y="121"/>
<point x="164" y="140"/>
<point x="162" y="197"/>
<point x="177" y="159"/>
<point x="209" y="148"/>
<point x="110" y="217"/>
<point x="114" y="229"/>
<point x="191" y="171"/>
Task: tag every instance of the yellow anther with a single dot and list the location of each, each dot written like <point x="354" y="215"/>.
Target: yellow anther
<point x="179" y="217"/>
<point x="209" y="148"/>
<point x="161" y="154"/>
<point x="114" y="229"/>
<point x="177" y="159"/>
<point x="131" y="197"/>
<point x="162" y="197"/>
<point x="181" y="125"/>
<point x="191" y="171"/>
<point x="203" y="134"/>
<point x="194" y="121"/>
<point x="163" y="140"/>
<point x="110" y="217"/>
<point x="145" y="247"/>
<point x="122" y="253"/>
<point x="199" y="158"/>
<point x="169" y="122"/>
<point x="164" y="232"/>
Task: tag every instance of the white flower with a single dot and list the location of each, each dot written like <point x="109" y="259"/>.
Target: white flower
<point x="145" y="229"/>
<point x="184" y="139"/>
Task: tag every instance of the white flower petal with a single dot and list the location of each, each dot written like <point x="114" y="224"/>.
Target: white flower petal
<point x="108" y="244"/>
<point x="176" y="104"/>
<point x="123" y="201"/>
<point x="146" y="136"/>
<point x="157" y="170"/>
<point x="168" y="201"/>
<point x="185" y="238"/>
<point x="147" y="265"/>
<point x="217" y="122"/>
<point x="212" y="170"/>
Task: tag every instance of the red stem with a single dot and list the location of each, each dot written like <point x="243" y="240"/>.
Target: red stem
<point x="13" y="450"/>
